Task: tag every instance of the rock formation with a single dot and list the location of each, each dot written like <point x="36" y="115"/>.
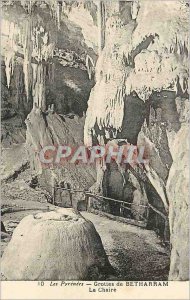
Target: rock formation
<point x="143" y="59"/>
<point x="51" y="129"/>
<point x="133" y="56"/>
<point x="57" y="245"/>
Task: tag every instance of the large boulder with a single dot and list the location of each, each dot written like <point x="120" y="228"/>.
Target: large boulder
<point x="56" y="245"/>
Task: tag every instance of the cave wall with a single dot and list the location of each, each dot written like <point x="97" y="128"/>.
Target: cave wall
<point x="148" y="64"/>
<point x="178" y="194"/>
<point x="52" y="129"/>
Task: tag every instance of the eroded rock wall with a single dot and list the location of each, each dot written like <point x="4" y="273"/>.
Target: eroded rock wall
<point x="146" y="62"/>
<point x="51" y="129"/>
<point x="178" y="194"/>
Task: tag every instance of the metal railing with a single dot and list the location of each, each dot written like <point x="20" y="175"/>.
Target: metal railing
<point x="87" y="199"/>
<point x="122" y="203"/>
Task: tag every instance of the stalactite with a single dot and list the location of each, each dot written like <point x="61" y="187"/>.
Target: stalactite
<point x="135" y="8"/>
<point x="51" y="72"/>
<point x="105" y="108"/>
<point x="101" y="25"/>
<point x="9" y="64"/>
<point x="164" y="64"/>
<point x="167" y="69"/>
<point x="56" y="10"/>
<point x="106" y="103"/>
<point x="90" y="66"/>
<point x="58" y="15"/>
<point x="55" y="7"/>
<point x="11" y="30"/>
<point x="19" y="82"/>
<point x="27" y="57"/>
<point x="38" y="93"/>
<point x="36" y="44"/>
<point x="161" y="65"/>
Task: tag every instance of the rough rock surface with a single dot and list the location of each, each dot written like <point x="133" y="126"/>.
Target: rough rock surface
<point x="178" y="194"/>
<point x="152" y="65"/>
<point x="57" y="245"/>
<point x="177" y="188"/>
<point x="53" y="129"/>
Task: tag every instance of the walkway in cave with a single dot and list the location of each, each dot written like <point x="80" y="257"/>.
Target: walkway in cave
<point x="136" y="253"/>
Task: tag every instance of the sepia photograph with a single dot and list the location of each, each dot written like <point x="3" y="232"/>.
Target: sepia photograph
<point x="95" y="145"/>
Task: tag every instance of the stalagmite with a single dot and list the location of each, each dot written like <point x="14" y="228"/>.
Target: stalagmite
<point x="57" y="245"/>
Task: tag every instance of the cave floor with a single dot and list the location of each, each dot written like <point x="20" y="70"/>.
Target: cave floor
<point x="135" y="253"/>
